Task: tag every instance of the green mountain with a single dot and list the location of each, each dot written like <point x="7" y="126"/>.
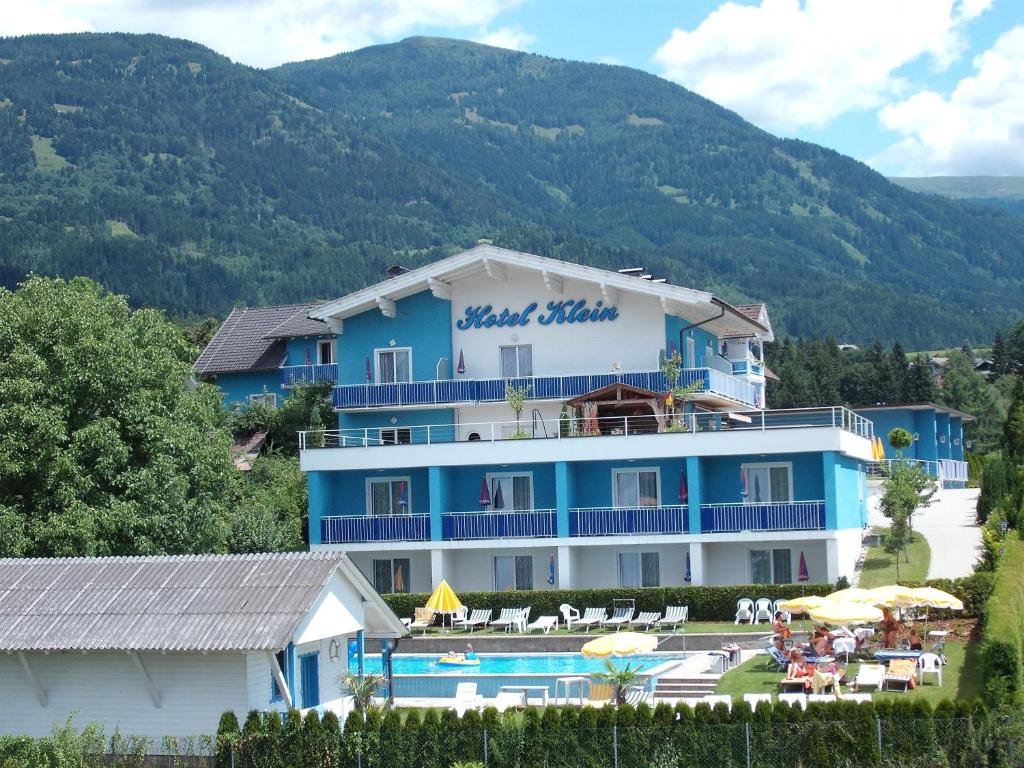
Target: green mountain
<point x="1005" y="192"/>
<point x="192" y="183"/>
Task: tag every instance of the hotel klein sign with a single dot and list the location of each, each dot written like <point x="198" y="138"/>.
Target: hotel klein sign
<point x="568" y="312"/>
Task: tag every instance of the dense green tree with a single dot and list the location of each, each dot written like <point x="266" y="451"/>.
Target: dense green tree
<point x="1013" y="428"/>
<point x="919" y="386"/>
<point x="965" y="389"/>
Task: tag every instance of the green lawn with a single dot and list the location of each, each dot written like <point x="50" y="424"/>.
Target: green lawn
<point x="880" y="567"/>
<point x="961" y="677"/>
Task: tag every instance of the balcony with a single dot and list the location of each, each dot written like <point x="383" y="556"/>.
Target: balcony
<point x="747" y="367"/>
<point x="519" y="524"/>
<point x="627" y="521"/>
<point x="308" y="374"/>
<point x="716" y="386"/>
<point x="776" y="516"/>
<point x="350" y="529"/>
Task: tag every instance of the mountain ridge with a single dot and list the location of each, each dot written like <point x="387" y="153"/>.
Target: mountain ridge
<point x="192" y="183"/>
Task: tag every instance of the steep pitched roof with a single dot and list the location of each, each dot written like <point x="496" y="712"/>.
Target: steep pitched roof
<point x="759" y="314"/>
<point x="177" y="603"/>
<point x="253" y="338"/>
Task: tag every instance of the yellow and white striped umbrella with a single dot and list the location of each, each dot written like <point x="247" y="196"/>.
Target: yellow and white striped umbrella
<point x="930" y="597"/>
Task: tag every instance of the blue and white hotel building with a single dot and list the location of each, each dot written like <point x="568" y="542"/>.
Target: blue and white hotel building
<point x="599" y="483"/>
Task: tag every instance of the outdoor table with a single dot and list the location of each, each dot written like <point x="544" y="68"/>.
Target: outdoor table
<point x="892" y="653"/>
<point x="565" y="685"/>
<point x="845" y="645"/>
<point x="543" y="689"/>
<point x="734" y="653"/>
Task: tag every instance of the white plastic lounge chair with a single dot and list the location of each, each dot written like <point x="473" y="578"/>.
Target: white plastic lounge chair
<point x="509" y="700"/>
<point x="869" y="676"/>
<point x="899" y="674"/>
<point x="744" y="610"/>
<point x="674" y="616"/>
<point x="860" y="698"/>
<point x="466" y="698"/>
<point x="619" y="618"/>
<point x="459" y="617"/>
<point x="821" y="698"/>
<point x="505" y="618"/>
<point x="762" y="610"/>
<point x="543" y="623"/>
<point x="423" y="618"/>
<point x="756" y="699"/>
<point x="480" y="617"/>
<point x="569" y="615"/>
<point x="712" y="699"/>
<point x="929" y="664"/>
<point x="778" y="658"/>
<point x="592" y="616"/>
<point x="787" y="616"/>
<point x="647" y="619"/>
<point x="794" y="699"/>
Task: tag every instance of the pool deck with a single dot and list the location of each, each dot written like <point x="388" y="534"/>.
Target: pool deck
<point x="516" y="643"/>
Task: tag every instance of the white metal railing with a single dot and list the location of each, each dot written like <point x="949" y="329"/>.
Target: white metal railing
<point x="953" y="470"/>
<point x="943" y="470"/>
<point x="572" y="427"/>
<point x="772" y="516"/>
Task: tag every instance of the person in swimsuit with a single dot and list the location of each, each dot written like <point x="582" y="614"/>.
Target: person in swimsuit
<point x="889" y="627"/>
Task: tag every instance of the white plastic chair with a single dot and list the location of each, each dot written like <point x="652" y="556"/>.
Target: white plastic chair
<point x="794" y="699"/>
<point x="569" y="614"/>
<point x="744" y="610"/>
<point x="929" y="664"/>
<point x="756" y="699"/>
<point x="762" y="610"/>
<point x="712" y="699"/>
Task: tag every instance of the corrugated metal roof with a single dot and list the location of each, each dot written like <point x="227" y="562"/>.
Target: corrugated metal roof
<point x="253" y="338"/>
<point x="179" y="603"/>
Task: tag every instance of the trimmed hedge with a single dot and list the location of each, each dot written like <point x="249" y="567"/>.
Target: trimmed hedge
<point x="906" y="732"/>
<point x="707" y="603"/>
<point x="1003" y="633"/>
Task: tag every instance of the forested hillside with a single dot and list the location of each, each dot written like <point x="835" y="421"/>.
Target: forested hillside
<point x="191" y="183"/>
<point x="1006" y="192"/>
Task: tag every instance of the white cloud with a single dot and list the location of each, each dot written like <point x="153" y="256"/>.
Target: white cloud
<point x="977" y="129"/>
<point x="507" y="37"/>
<point x="262" y="32"/>
<point x="787" y="64"/>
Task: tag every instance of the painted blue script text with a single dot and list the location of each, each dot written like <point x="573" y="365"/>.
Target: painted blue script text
<point x="558" y="313"/>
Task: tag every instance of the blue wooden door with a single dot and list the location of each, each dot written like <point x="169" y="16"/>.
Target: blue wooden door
<point x="309" y="670"/>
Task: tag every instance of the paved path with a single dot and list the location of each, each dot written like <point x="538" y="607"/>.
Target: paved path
<point x="952" y="532"/>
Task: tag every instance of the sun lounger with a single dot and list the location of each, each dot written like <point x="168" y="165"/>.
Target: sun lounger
<point x="869" y="676"/>
<point x="756" y="699"/>
<point x="510" y="700"/>
<point x="600" y="693"/>
<point x="821" y="698"/>
<point x="647" y="619"/>
<point x="860" y="698"/>
<point x="543" y="623"/>
<point x="592" y="616"/>
<point x="506" y="618"/>
<point x="674" y="616"/>
<point x="712" y="699"/>
<point x="422" y="619"/>
<point x="619" y="618"/>
<point x="478" y="618"/>
<point x="794" y="699"/>
<point x="778" y="658"/>
<point x="466" y="698"/>
<point x="900" y="675"/>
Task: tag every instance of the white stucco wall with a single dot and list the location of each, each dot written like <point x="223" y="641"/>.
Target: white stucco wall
<point x="419" y="564"/>
<point x="729" y="562"/>
<point x="633" y="340"/>
<point x="473" y="569"/>
<point x="107" y="688"/>
<point x="599" y="566"/>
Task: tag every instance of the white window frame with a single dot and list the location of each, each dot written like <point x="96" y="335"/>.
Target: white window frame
<point x="319" y="351"/>
<point x="771" y="562"/>
<point x="616" y="471"/>
<point x="494" y="570"/>
<point x="768" y="465"/>
<point x="396" y="430"/>
<point x="640" y="555"/>
<point x="490" y="487"/>
<point x="518" y="374"/>
<point x="690" y="356"/>
<point x="396" y="478"/>
<point x="376" y="364"/>
<point x="391" y="570"/>
<point x="267" y="398"/>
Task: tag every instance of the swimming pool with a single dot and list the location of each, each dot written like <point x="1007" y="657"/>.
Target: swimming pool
<point x="517" y="664"/>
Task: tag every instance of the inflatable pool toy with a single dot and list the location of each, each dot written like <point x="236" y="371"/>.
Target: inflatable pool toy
<point x="457" y="660"/>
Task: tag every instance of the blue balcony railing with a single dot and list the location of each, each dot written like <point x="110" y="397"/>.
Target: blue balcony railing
<point x="627" y="521"/>
<point x="776" y="516"/>
<point x="349" y="529"/>
<point x="743" y="367"/>
<point x="522" y="524"/>
<point x="712" y="382"/>
<point x="308" y="374"/>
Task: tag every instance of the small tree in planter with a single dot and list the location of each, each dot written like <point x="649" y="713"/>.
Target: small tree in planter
<point x="672" y="369"/>
<point x="516" y="399"/>
<point x="906" y="489"/>
<point x="899" y="439"/>
<point x="361" y="689"/>
<point x="622" y="680"/>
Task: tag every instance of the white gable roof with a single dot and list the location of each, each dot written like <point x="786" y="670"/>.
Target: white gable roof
<point x="696" y="306"/>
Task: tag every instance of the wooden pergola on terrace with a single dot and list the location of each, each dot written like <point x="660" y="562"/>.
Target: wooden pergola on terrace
<point x="610" y="405"/>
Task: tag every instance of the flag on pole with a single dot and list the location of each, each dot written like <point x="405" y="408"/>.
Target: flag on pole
<point x="461" y="367"/>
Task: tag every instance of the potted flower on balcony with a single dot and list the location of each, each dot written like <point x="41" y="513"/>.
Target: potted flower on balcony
<point x="677" y="396"/>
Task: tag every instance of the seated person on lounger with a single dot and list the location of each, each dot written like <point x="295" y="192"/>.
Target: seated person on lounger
<point x="826" y="674"/>
<point x="822" y="642"/>
<point x="916" y="643"/>
<point x="780" y="627"/>
<point x="779" y="642"/>
<point x="889" y="626"/>
<point x="799" y="669"/>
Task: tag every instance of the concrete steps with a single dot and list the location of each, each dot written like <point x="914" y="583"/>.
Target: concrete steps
<point x="685" y="687"/>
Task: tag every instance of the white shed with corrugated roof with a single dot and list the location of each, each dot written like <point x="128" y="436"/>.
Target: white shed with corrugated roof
<point x="161" y="646"/>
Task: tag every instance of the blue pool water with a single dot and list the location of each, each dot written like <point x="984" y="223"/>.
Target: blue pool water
<point x="531" y="664"/>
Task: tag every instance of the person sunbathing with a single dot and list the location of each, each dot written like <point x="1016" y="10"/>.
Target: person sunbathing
<point x="822" y="642"/>
<point x="799" y="669"/>
<point x="915" y="640"/>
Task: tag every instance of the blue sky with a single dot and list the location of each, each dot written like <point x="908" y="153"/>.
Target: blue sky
<point x="912" y="87"/>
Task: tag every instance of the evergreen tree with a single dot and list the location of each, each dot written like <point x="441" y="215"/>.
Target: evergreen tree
<point x="1013" y="428"/>
<point x="920" y="383"/>
<point x="1000" y="359"/>
<point x="898" y="375"/>
<point x="966" y="390"/>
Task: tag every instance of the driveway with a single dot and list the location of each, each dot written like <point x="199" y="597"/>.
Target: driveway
<point x="951" y="530"/>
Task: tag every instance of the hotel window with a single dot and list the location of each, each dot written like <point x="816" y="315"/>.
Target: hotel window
<point x="516" y="361"/>
<point x="511" y="492"/>
<point x="391" y="575"/>
<point x="635" y="487"/>
<point x="639" y="569"/>
<point x="394" y="366"/>
<point x="388" y="496"/>
<point x="769" y="483"/>
<point x="513" y="572"/>
<point x="771" y="566"/>
<point x="396" y="436"/>
<point x="325" y="350"/>
<point x="267" y="398"/>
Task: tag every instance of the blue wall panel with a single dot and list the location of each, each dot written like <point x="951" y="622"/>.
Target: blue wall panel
<point x="297" y="349"/>
<point x="347" y="490"/>
<point x="375" y="420"/>
<point x="701" y="339"/>
<point x="851" y="502"/>
<point x="238" y="386"/>
<point x="466" y="482"/>
<point x="722" y="476"/>
<point x="594" y="480"/>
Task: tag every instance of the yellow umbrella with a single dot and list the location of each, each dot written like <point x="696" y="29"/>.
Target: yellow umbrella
<point x="444" y="600"/>
<point x="879" y="449"/>
<point x="853" y="595"/>
<point x="802" y="604"/>
<point x="893" y="596"/>
<point x="837" y="612"/>
<point x="620" y="644"/>
<point x="930" y="597"/>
